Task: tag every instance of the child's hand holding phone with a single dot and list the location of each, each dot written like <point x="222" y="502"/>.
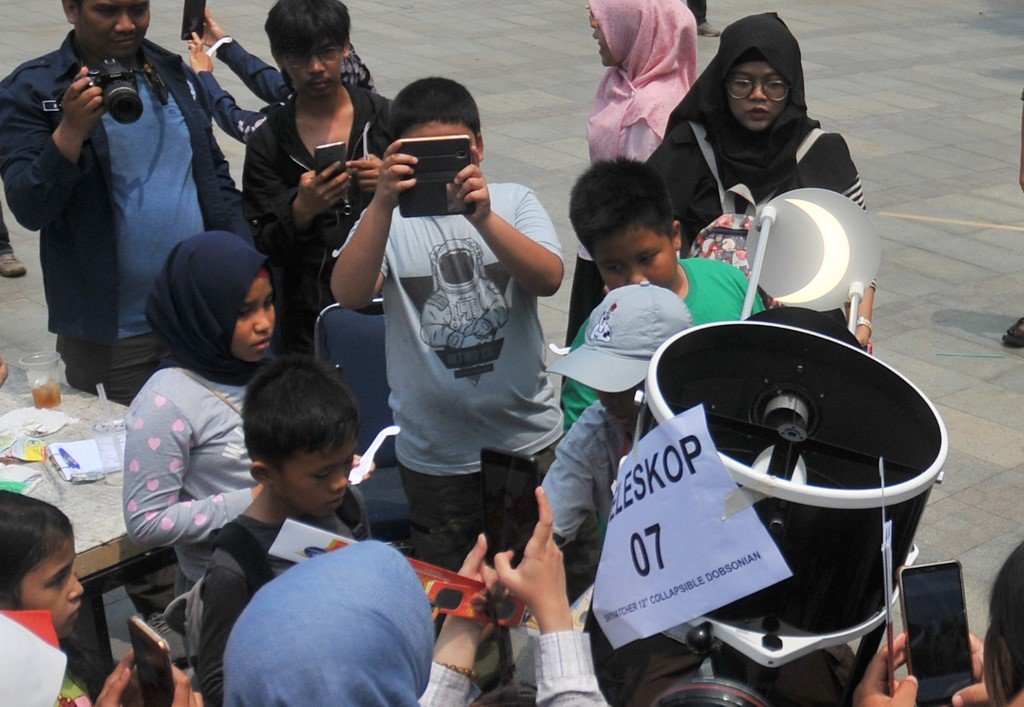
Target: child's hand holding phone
<point x="318" y="191"/>
<point x="873" y="688"/>
<point x="539" y="580"/>
<point x="121" y="688"/>
<point x="366" y="172"/>
<point x="198" y="59"/>
<point x="472" y="189"/>
<point x="395" y="176"/>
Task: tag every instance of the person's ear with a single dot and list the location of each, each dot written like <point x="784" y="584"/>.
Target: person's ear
<point x="346" y="50"/>
<point x="677" y="236"/>
<point x="479" y="138"/>
<point x="262" y="473"/>
<point x="70" y="11"/>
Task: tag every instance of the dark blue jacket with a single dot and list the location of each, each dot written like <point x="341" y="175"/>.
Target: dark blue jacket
<point x="259" y="77"/>
<point x="71" y="203"/>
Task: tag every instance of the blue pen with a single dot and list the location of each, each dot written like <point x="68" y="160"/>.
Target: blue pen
<point x="68" y="459"/>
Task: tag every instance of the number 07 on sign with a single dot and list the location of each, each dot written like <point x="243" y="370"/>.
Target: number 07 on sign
<point x="669" y="556"/>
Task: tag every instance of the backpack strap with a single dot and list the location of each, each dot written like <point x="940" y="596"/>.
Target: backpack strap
<point x="247" y="551"/>
<point x="807" y="143"/>
<point x="726" y="197"/>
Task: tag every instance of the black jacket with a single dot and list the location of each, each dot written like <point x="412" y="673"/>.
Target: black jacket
<point x="275" y="159"/>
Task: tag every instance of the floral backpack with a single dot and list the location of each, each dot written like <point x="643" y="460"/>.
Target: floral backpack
<point x="725" y="238"/>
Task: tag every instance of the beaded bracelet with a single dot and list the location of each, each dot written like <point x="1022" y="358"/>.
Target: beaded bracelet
<point x="464" y="672"/>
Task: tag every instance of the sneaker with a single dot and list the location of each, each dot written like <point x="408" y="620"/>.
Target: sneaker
<point x="1014" y="336"/>
<point x="10" y="266"/>
<point x="706" y="30"/>
<point x="175" y="641"/>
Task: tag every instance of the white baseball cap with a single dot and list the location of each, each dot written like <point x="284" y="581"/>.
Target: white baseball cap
<point x="622" y="335"/>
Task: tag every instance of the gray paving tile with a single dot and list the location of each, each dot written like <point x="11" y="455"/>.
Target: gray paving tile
<point x="933" y="380"/>
<point x="997" y="403"/>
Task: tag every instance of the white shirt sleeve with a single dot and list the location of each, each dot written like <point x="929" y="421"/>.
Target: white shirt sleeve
<point x="565" y="671"/>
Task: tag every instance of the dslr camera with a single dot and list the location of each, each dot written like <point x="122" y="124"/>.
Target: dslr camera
<point x="120" y="91"/>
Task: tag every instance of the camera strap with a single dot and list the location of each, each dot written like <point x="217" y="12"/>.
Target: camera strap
<point x="156" y="84"/>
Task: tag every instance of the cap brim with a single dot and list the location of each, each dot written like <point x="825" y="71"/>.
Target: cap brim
<point x="600" y="370"/>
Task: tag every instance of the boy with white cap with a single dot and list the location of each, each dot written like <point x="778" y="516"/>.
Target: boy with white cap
<point x="622" y="335"/>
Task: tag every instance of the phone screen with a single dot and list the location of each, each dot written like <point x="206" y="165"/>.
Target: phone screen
<point x="153" y="664"/>
<point x="510" y="506"/>
<point x="936" y="620"/>
<point x="192" y="18"/>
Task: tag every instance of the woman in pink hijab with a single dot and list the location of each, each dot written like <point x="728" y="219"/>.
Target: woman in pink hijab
<point x="650" y="49"/>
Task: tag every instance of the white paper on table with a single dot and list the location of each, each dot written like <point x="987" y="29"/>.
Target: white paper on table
<point x="669" y="556"/>
<point x="32" y="670"/>
<point x="103" y="454"/>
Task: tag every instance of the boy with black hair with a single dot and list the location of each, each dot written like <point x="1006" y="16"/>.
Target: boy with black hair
<point x="300" y="423"/>
<point x="622" y="215"/>
<point x="300" y="215"/>
<point x="622" y="334"/>
<point x="465" y="349"/>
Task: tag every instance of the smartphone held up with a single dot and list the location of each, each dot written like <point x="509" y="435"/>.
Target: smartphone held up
<point x="193" y="18"/>
<point x="153" y="663"/>
<point x="510" y="482"/>
<point x="935" y="616"/>
<point x="326" y="155"/>
<point x="439" y="161"/>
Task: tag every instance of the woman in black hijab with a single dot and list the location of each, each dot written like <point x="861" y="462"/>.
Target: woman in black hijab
<point x="746" y="118"/>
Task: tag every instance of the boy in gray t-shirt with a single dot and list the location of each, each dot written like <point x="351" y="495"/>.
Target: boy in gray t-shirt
<point x="464" y="343"/>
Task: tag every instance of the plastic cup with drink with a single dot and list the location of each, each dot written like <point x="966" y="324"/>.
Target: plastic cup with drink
<point x="43" y="371"/>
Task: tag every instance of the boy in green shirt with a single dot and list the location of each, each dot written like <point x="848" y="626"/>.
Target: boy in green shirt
<point x="622" y="215"/>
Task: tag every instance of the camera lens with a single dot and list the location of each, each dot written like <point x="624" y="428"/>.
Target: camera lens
<point x="122" y="101"/>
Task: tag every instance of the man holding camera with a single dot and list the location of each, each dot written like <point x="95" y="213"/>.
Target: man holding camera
<point x="104" y="149"/>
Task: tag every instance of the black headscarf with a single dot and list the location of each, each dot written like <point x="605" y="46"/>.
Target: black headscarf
<point x="194" y="303"/>
<point x="763" y="161"/>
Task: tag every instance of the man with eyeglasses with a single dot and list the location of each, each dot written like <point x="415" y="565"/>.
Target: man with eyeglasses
<point x="264" y="81"/>
<point x="110" y="198"/>
<point x="301" y="214"/>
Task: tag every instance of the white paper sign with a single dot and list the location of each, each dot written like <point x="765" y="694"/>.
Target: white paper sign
<point x="32" y="670"/>
<point x="668" y="555"/>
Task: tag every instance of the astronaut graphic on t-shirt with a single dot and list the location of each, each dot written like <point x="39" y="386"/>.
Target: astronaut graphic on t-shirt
<point x="463" y="317"/>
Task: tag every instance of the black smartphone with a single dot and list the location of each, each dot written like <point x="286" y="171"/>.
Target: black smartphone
<point x="326" y="155"/>
<point x="193" y="18"/>
<point x="510" y="506"/>
<point x="152" y="663"/>
<point x="935" y="617"/>
<point x="440" y="159"/>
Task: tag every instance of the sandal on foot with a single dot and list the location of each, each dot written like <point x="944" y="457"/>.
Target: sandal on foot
<point x="1014" y="336"/>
